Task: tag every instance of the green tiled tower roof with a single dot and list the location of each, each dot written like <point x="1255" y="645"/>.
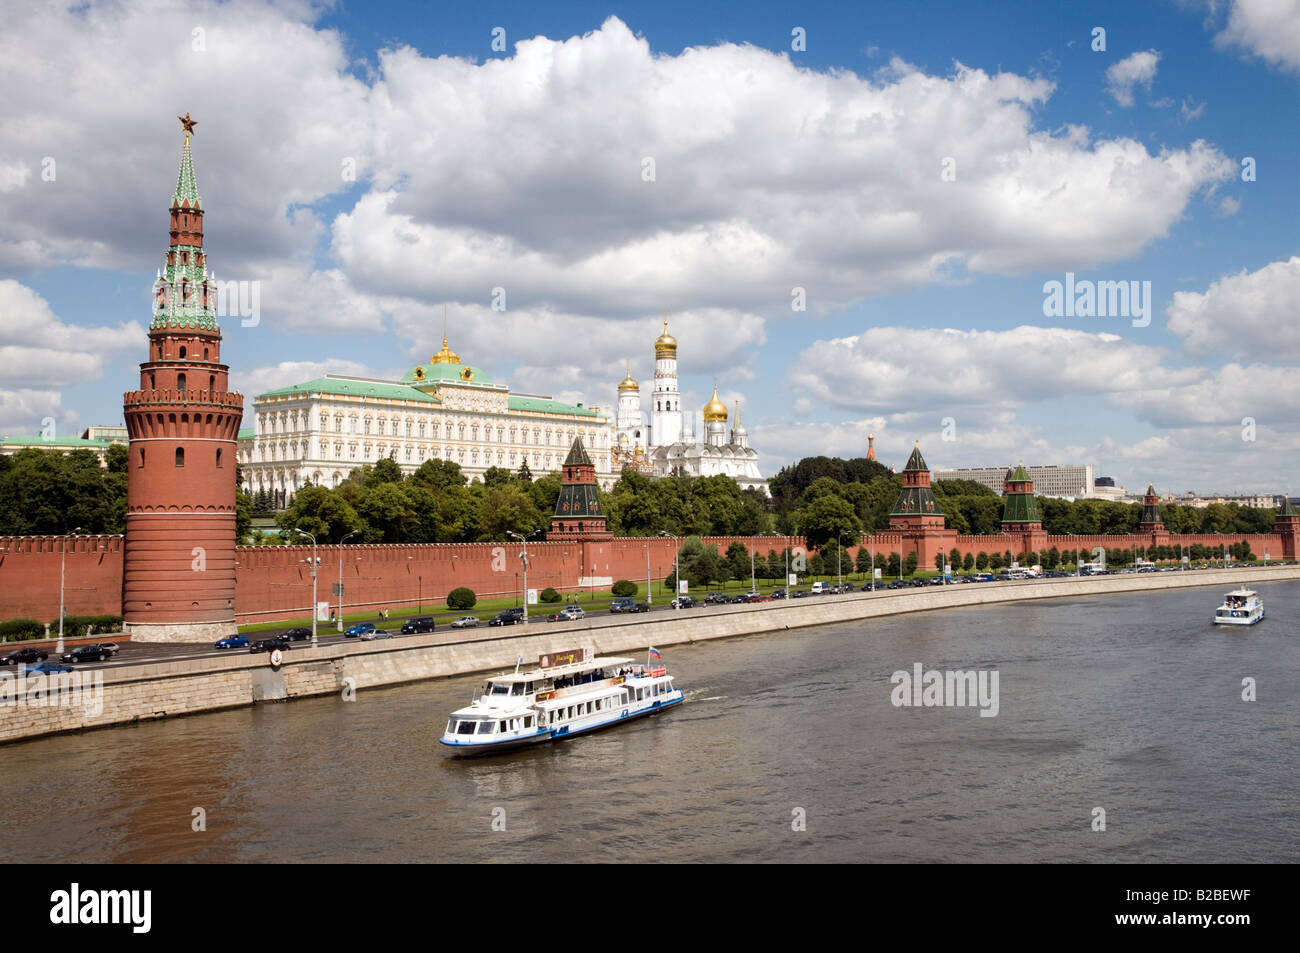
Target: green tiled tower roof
<point x="187" y="187"/>
<point x="916" y="461"/>
<point x="1021" y="506"/>
<point x="578" y="455"/>
<point x="185" y="293"/>
<point x="1150" y="507"/>
<point x="916" y="498"/>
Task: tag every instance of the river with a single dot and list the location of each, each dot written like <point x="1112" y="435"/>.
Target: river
<point x="789" y="749"/>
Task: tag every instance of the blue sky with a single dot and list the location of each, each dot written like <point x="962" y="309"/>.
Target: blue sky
<point x="776" y="168"/>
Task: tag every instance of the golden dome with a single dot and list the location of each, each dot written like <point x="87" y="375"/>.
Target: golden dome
<point x="666" y="344"/>
<point x="715" y="409"/>
<point x="446" y="355"/>
<point x="639" y="451"/>
<point x="628" y="383"/>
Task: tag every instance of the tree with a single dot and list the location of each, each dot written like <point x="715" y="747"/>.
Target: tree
<point x="548" y="595"/>
<point x="862" y="562"/>
<point x="1053" y="558"/>
<point x="738" y="565"/>
<point x="388" y="514"/>
<point x="995" y="561"/>
<point x="909" y="564"/>
<point x="968" y="562"/>
<point x="461" y="598"/>
<point x="954" y="558"/>
<point x="707" y="566"/>
<point x="982" y="561"/>
<point x="496" y="476"/>
<point x="243" y="515"/>
<point x="624" y="588"/>
<point x="321" y="512"/>
<point x="525" y="473"/>
<point x="385" y="471"/>
<point x="439" y="474"/>
<point x="938" y="560"/>
<point x="893" y="565"/>
<point x="829" y="517"/>
<point x="507" y="508"/>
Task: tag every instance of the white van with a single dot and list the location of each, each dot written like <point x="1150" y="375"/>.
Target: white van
<point x="820" y="588"/>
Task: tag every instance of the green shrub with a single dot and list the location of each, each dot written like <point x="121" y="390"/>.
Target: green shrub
<point x="461" y="598"/>
<point x="549" y="595"/>
<point x="15" y="630"/>
<point x="624" y="587"/>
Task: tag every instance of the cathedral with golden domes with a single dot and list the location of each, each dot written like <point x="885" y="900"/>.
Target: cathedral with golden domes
<point x="667" y="444"/>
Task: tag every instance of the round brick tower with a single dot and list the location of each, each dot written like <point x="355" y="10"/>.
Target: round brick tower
<point x="178" y="582"/>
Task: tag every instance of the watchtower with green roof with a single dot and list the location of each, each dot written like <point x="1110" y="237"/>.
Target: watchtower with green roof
<point x="1151" y="521"/>
<point x="1287" y="525"/>
<point x="578" y="513"/>
<point x="1020" y="512"/>
<point x="916" y="507"/>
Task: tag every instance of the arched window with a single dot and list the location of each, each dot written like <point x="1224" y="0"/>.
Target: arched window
<point x="212" y="382"/>
<point x="205" y="354"/>
<point x="182" y="352"/>
<point x="180" y="456"/>
<point x="218" y="457"/>
<point x="142" y="456"/>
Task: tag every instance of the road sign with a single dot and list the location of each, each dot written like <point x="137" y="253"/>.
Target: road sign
<point x="532" y="597"/>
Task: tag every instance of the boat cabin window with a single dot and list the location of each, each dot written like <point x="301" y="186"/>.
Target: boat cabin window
<point x="494" y="688"/>
<point x="517" y="688"/>
<point x="485" y="727"/>
<point x="466" y="727"/>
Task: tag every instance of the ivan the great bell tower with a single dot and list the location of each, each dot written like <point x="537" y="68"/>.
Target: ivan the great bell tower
<point x="178" y="582"/>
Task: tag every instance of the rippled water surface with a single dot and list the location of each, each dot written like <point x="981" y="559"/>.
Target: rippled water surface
<point x="1132" y="703"/>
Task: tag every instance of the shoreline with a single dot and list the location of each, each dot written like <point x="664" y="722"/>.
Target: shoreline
<point x="154" y="690"/>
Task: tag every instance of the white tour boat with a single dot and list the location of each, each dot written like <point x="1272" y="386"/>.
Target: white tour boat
<point x="568" y="694"/>
<point x="1240" y="607"/>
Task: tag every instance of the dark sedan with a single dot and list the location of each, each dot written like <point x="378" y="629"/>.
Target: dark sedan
<point x="89" y="653"/>
<point x="268" y="645"/>
<point x="25" y="656"/>
<point x="297" y="635"/>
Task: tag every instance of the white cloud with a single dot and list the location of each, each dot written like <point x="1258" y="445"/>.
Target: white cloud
<point x="258" y="380"/>
<point x="1137" y="69"/>
<point x="1247" y="315"/>
<point x="22" y="412"/>
<point x="1269" y="29"/>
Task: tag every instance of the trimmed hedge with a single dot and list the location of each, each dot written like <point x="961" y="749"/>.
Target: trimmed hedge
<point x="461" y="598"/>
<point x="549" y="595"/>
<point x="80" y="626"/>
<point x="624" y="587"/>
<point x="16" y="630"/>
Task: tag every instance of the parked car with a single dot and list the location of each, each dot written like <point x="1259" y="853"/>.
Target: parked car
<point x="714" y="598"/>
<point x="232" y="642"/>
<point x="269" y="645"/>
<point x="799" y="594"/>
<point x="27" y="656"/>
<point x="96" y="652"/>
<point x="48" y="668"/>
<point x="297" y="634"/>
<point x="359" y="629"/>
<point x="621" y="604"/>
<point x="778" y="593"/>
<point x="422" y="623"/>
<point x="464" y="622"/>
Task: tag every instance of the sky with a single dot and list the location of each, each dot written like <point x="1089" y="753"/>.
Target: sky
<point x="853" y="218"/>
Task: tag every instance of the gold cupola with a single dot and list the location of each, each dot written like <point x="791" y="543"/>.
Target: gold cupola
<point x="715" y="409"/>
<point x="628" y="383"/>
<point x="446" y="355"/>
<point x="666" y="344"/>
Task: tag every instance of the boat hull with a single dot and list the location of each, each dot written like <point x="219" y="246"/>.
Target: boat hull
<point x="1229" y="620"/>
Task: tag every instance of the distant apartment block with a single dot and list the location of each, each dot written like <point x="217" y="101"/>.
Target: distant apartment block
<point x="1068" y="481"/>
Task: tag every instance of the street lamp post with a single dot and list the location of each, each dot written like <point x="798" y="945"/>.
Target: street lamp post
<point x="314" y="562"/>
<point x="649" y="592"/>
<point x="341" y="541"/>
<point x="677" y="565"/>
<point x="839" y="557"/>
<point x="873" y="561"/>
<point x="753" y="581"/>
<point x="523" y="558"/>
<point x="63" y="565"/>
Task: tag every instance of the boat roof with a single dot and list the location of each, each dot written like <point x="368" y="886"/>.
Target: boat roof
<point x="573" y="668"/>
<point x="1242" y="592"/>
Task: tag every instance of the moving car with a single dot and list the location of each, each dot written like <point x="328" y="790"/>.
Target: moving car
<point x="360" y="628"/>
<point x="685" y="602"/>
<point x="297" y="634"/>
<point x="508" y="617"/>
<point x="233" y="642"/>
<point x="95" y="652"/>
<point x="269" y="645"/>
<point x="567" y="614"/>
<point x="639" y="607"/>
<point x="375" y="634"/>
<point x="465" y="622"/>
<point x="420" y="623"/>
<point x="25" y="656"/>
<point x="48" y="668"/>
<point x="621" y="604"/>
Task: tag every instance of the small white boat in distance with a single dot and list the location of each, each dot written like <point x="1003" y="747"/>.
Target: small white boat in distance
<point x="1240" y="607"/>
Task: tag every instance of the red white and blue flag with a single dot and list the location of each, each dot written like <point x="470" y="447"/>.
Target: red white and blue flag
<point x="654" y="652"/>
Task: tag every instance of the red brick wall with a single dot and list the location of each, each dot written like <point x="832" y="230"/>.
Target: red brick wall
<point x="29" y="576"/>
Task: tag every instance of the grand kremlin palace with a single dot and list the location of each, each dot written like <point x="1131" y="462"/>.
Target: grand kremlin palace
<point x="317" y="432"/>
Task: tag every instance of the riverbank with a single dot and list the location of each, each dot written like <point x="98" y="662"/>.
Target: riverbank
<point x="102" y="697"/>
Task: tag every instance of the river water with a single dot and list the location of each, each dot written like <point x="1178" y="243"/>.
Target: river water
<point x="789" y="749"/>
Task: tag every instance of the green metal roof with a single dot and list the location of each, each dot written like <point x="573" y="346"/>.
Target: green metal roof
<point x="446" y="372"/>
<point x="355" y="388"/>
<point x="577" y="455"/>
<point x="187" y="187"/>
<point x="548" y="406"/>
<point x="915" y="461"/>
<point x="1018" y="474"/>
<point x="245" y="433"/>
